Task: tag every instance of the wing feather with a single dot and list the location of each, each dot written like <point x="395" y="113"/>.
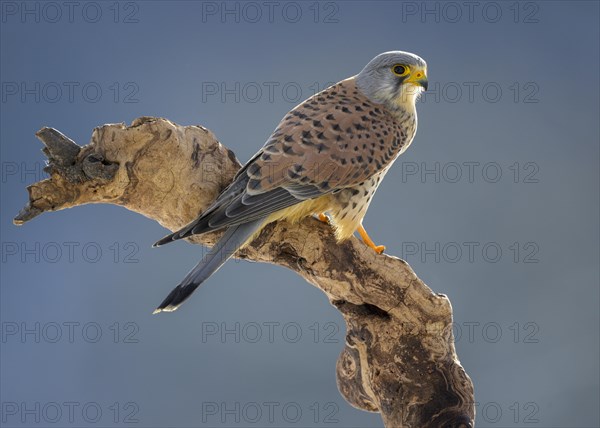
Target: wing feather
<point x="335" y="139"/>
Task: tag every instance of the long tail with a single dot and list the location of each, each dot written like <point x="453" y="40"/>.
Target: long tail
<point x="233" y="238"/>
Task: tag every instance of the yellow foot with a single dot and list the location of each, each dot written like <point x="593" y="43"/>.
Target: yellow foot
<point x="323" y="218"/>
<point x="367" y="240"/>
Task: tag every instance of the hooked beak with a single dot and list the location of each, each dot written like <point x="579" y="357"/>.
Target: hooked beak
<point x="419" y="78"/>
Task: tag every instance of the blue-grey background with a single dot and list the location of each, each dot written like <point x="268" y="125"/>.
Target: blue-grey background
<point x="526" y="319"/>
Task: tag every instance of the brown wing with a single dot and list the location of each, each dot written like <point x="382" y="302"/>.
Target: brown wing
<point x="337" y="138"/>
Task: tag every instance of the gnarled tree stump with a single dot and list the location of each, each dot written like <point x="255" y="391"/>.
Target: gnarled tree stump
<point x="399" y="357"/>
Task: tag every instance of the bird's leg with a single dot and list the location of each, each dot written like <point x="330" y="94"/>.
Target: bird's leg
<point x="323" y="218"/>
<point x="367" y="240"/>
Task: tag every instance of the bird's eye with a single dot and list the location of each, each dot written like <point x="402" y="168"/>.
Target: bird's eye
<point x="400" y="70"/>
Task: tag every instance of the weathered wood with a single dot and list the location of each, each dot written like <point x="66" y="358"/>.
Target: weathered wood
<point x="399" y="357"/>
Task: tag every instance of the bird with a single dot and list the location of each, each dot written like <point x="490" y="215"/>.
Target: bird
<point x="326" y="158"/>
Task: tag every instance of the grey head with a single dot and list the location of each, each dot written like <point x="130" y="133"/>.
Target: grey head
<point x="394" y="78"/>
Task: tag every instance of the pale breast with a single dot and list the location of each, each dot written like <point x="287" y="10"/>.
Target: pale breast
<point x="349" y="205"/>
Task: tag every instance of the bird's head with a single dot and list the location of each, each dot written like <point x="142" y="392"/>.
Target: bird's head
<point x="394" y="78"/>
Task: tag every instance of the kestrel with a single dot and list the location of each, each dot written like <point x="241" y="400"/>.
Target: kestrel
<point x="327" y="155"/>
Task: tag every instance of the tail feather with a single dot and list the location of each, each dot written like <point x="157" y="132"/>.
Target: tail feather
<point x="233" y="238"/>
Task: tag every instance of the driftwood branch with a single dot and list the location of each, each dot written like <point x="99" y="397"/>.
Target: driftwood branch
<point x="399" y="357"/>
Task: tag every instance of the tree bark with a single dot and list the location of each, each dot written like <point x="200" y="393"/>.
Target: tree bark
<point x="399" y="357"/>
